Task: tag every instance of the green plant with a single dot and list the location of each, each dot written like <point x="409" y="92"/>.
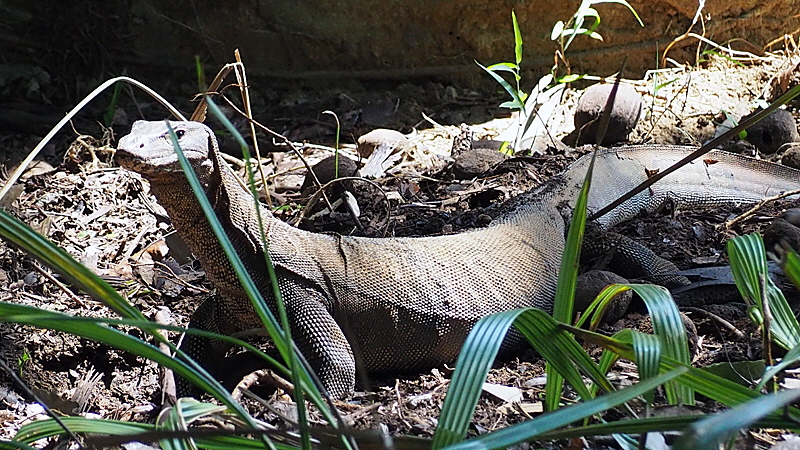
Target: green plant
<point x="564" y="33"/>
<point x="22" y="360"/>
<point x="518" y="97"/>
<point x="542" y="99"/>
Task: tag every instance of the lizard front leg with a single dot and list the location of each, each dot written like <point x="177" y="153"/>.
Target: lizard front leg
<point x="318" y="336"/>
<point x="314" y="330"/>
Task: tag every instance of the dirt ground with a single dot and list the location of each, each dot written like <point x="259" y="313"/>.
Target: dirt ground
<point x="104" y="217"/>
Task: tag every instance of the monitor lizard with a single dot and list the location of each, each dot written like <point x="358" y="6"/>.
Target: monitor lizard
<point x="403" y="304"/>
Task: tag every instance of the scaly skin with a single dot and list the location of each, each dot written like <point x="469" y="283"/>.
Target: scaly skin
<point x="401" y="304"/>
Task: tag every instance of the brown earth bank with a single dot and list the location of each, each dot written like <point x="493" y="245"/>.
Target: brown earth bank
<point x="105" y="217"/>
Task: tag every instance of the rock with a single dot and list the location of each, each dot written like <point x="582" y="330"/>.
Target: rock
<point x="382" y="148"/>
<point x="591" y="283"/>
<point x="325" y="172"/>
<point x="792" y="215"/>
<point x="624" y="114"/>
<point x="773" y="131"/>
<point x="475" y="162"/>
<point x="791" y="157"/>
<point x="781" y="231"/>
<point x="380" y="136"/>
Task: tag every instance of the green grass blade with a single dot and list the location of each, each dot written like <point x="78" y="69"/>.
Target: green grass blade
<point x="608" y="357"/>
<point x="24" y="238"/>
<point x="282" y="341"/>
<point x="527" y="430"/>
<point x="716" y="429"/>
<point x="13" y="445"/>
<point x="790" y="264"/>
<point x="480" y="350"/>
<point x="653" y="424"/>
<point x="624" y="3"/>
<point x="517" y="39"/>
<point x="705" y="383"/>
<point x="41" y="429"/>
<point x="791" y="358"/>
<point x="90" y="328"/>
<point x="669" y="328"/>
<point x="510" y="89"/>
<point x="300" y="378"/>
<point x="749" y="266"/>
<point x="567" y="280"/>
<point x="648" y="358"/>
<point x="21" y="236"/>
<point x="178" y="417"/>
<point x="474" y="362"/>
<point x="596" y="309"/>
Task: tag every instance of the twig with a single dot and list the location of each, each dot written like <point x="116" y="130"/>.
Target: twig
<point x="725" y="324"/>
<point x="60" y="285"/>
<point x="758" y="206"/>
<point x="24" y="164"/>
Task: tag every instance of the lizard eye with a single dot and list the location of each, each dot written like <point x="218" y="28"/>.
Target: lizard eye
<point x="179" y="133"/>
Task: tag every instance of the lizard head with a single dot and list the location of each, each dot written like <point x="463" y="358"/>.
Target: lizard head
<point x="149" y="149"/>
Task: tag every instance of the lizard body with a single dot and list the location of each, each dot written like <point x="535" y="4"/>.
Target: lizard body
<point x="400" y="304"/>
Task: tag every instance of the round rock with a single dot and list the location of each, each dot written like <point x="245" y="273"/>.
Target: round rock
<point x="624" y="114"/>
<point x="773" y="131"/>
<point x="780" y="231"/>
<point x="791" y="157"/>
<point x="473" y="163"/>
<point x="591" y="283"/>
<point x="325" y="171"/>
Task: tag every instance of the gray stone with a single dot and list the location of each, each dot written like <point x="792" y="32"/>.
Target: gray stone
<point x="624" y="114"/>
<point x="591" y="283"/>
<point x="791" y="157"/>
<point x="773" y="131"/>
<point x="473" y="163"/>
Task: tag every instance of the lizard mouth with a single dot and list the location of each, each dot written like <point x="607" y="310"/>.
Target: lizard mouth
<point x="148" y="165"/>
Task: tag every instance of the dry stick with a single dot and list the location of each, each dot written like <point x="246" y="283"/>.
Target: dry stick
<point x="321" y="191"/>
<point x="758" y="206"/>
<point x="697" y="16"/>
<point x="725" y="324"/>
<point x="199" y="114"/>
<point x="60" y="285"/>
<point x="287" y="142"/>
<point x="244" y="88"/>
<point x="700" y="152"/>
<point x="24" y="165"/>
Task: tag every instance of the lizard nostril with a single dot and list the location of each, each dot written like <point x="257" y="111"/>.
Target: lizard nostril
<point x="141" y="145"/>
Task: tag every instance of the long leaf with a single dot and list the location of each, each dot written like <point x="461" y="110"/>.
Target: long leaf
<point x="517" y="39"/>
<point x="705" y="383"/>
<point x="749" y="267"/>
<point x="511" y="91"/>
<point x="668" y="326"/>
<point x="709" y="433"/>
<point x="300" y="377"/>
<point x="567" y="280"/>
<point x="480" y="349"/>
<point x="527" y="430"/>
<point x="652" y="424"/>
<point x="91" y="329"/>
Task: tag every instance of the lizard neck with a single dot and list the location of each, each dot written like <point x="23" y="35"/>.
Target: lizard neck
<point x="177" y="197"/>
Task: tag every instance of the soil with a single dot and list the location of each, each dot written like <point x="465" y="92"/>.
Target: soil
<point x="104" y="217"/>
